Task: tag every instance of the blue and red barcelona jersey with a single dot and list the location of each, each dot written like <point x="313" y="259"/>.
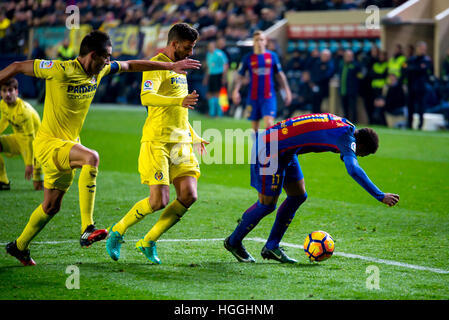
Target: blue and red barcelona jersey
<point x="262" y="68"/>
<point x="275" y="150"/>
<point x="313" y="133"/>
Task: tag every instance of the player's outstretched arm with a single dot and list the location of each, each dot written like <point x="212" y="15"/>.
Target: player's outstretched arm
<point x="26" y="67"/>
<point x="357" y="173"/>
<point x="147" y="65"/>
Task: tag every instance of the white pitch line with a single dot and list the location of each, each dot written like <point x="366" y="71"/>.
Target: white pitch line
<point x="286" y="244"/>
<point x="371" y="259"/>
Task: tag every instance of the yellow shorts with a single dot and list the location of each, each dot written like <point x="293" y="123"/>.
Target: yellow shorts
<point x="161" y="163"/>
<point x="13" y="145"/>
<point x="53" y="154"/>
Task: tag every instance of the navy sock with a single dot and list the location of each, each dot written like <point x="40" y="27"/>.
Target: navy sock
<point x="284" y="216"/>
<point x="250" y="219"/>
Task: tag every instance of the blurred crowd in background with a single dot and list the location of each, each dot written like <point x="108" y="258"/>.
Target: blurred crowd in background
<point x="383" y="83"/>
<point x="233" y="19"/>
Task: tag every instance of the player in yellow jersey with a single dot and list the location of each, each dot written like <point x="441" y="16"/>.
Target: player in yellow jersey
<point x="166" y="154"/>
<point x="70" y="88"/>
<point x="25" y="122"/>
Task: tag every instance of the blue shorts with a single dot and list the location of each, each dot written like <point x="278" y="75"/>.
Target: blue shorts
<point x="257" y="109"/>
<point x="288" y="170"/>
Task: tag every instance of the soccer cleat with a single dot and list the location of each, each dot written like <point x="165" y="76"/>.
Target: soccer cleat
<point x="239" y="252"/>
<point x="91" y="235"/>
<point x="5" y="186"/>
<point x="277" y="254"/>
<point x="149" y="250"/>
<point x="22" y="256"/>
<point x="114" y="243"/>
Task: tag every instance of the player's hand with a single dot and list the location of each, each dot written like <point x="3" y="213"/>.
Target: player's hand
<point x="38" y="185"/>
<point x="201" y="147"/>
<point x="182" y="65"/>
<point x="236" y="97"/>
<point x="29" y="172"/>
<point x="190" y="100"/>
<point x="390" y="199"/>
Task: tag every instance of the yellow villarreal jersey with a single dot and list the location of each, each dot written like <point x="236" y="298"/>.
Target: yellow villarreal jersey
<point x="69" y="93"/>
<point x="21" y="116"/>
<point x="162" y="93"/>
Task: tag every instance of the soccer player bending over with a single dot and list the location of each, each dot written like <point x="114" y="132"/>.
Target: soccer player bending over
<point x="166" y="154"/>
<point x="70" y="88"/>
<point x="25" y="122"/>
<point x="275" y="165"/>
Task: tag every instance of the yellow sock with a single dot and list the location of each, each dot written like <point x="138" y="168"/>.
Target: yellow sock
<point x="3" y="176"/>
<point x="137" y="213"/>
<point x="37" y="222"/>
<point x="87" y="189"/>
<point x="169" y="217"/>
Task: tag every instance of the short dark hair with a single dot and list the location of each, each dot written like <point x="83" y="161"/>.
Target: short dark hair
<point x="182" y="32"/>
<point x="11" y="82"/>
<point x="368" y="138"/>
<point x="96" y="41"/>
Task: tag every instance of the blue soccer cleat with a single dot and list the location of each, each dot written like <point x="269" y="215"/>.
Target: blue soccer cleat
<point x="149" y="250"/>
<point x="114" y="243"/>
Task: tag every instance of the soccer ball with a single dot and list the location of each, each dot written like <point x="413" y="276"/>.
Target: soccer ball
<point x="319" y="246"/>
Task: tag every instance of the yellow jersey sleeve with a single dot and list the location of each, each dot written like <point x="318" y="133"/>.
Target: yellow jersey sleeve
<point x="162" y="92"/>
<point x="151" y="82"/>
<point x="49" y="69"/>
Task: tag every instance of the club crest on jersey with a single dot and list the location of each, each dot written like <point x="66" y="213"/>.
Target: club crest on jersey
<point x="284" y="130"/>
<point x="46" y="64"/>
<point x="158" y="176"/>
<point x="353" y="146"/>
<point x="148" y="85"/>
<point x="93" y="80"/>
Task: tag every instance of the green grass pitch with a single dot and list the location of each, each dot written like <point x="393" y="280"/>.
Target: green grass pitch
<point x="408" y="243"/>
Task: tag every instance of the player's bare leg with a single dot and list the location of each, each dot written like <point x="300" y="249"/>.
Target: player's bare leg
<point x="159" y="196"/>
<point x="268" y="200"/>
<point x="268" y="121"/>
<point x="88" y="160"/>
<point x="186" y="190"/>
<point x="255" y="125"/>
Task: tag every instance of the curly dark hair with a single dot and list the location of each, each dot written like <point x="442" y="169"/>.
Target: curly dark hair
<point x="368" y="138"/>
